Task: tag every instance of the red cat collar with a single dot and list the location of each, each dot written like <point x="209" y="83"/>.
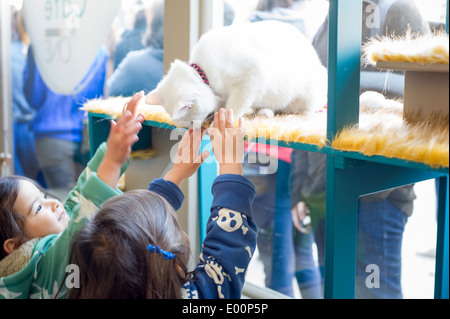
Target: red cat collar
<point x="200" y="72"/>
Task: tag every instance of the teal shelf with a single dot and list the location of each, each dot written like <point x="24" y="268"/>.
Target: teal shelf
<point x="356" y="158"/>
<point x="348" y="158"/>
<point x="99" y="130"/>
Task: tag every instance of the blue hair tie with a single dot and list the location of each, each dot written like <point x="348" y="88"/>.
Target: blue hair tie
<point x="158" y="250"/>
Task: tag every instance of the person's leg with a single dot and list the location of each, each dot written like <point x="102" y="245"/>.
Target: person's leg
<point x="379" y="259"/>
<point x="25" y="154"/>
<point x="271" y="212"/>
<point x="56" y="159"/>
<point x="306" y="270"/>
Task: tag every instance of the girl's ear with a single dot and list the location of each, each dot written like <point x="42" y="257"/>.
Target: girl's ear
<point x="10" y="245"/>
<point x="153" y="98"/>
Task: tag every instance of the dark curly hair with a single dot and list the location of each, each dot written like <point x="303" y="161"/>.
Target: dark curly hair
<point x="11" y="223"/>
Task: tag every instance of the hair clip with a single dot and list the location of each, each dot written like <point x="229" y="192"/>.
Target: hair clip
<point x="158" y="250"/>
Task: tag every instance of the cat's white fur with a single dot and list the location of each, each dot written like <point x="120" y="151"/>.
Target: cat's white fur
<point x="268" y="66"/>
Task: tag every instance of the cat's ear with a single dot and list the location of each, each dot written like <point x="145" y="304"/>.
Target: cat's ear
<point x="182" y="111"/>
<point x="153" y="98"/>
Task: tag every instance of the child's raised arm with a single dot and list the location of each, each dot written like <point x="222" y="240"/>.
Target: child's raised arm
<point x="122" y="136"/>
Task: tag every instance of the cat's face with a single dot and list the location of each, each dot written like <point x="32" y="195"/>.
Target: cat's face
<point x="184" y="96"/>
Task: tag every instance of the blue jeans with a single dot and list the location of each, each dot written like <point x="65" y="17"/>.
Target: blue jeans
<point x="286" y="253"/>
<point x="380" y="236"/>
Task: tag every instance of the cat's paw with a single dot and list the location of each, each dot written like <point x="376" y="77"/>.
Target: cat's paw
<point x="265" y="112"/>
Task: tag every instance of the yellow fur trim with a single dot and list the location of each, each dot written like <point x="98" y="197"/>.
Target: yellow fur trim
<point x="418" y="142"/>
<point x="114" y="107"/>
<point x="381" y="129"/>
<point x="310" y="128"/>
<point x="432" y="48"/>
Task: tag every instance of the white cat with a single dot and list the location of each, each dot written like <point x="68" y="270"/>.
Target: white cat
<point x="265" y="66"/>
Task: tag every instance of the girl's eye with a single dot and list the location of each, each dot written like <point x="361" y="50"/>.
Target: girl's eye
<point x="40" y="206"/>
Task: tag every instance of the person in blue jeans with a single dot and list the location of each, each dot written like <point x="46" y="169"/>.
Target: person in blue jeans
<point x="382" y="216"/>
<point x="286" y="252"/>
<point x="58" y="123"/>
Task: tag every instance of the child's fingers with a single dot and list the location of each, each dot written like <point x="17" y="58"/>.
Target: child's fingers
<point x="130" y="122"/>
<point x="126" y="117"/>
<point x="132" y="139"/>
<point x="133" y="104"/>
<point x="241" y="127"/>
<point x="184" y="142"/>
<point x="230" y="119"/>
<point x="195" y="142"/>
<point x="133" y="128"/>
<point x="186" y="138"/>
<point x="216" y="120"/>
<point x="222" y="118"/>
<point x="197" y="137"/>
<point x="214" y="125"/>
<point x="113" y="124"/>
<point x="241" y="123"/>
<point x="202" y="157"/>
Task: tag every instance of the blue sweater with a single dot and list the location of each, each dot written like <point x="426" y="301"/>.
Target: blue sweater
<point x="58" y="115"/>
<point x="230" y="237"/>
<point x="139" y="70"/>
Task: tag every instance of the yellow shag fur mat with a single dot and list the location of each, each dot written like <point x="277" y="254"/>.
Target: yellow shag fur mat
<point x="381" y="129"/>
<point x="427" y="141"/>
<point x="432" y="48"/>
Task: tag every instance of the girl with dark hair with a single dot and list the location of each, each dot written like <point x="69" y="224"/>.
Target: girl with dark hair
<point x="36" y="230"/>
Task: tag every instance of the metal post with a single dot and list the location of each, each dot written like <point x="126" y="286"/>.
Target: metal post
<point x="181" y="30"/>
<point x="6" y="130"/>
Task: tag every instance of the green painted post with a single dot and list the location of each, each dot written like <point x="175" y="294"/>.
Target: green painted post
<point x="344" y="54"/>
<point x="344" y="58"/>
<point x="206" y="175"/>
<point x="442" y="249"/>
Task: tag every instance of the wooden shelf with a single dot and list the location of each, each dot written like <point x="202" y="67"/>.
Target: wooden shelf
<point x="419" y="67"/>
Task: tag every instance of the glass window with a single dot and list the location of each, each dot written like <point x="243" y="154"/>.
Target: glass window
<point x="290" y="204"/>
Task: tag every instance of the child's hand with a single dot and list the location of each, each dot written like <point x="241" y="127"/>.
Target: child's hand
<point x="187" y="160"/>
<point x="227" y="142"/>
<point x="122" y="136"/>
